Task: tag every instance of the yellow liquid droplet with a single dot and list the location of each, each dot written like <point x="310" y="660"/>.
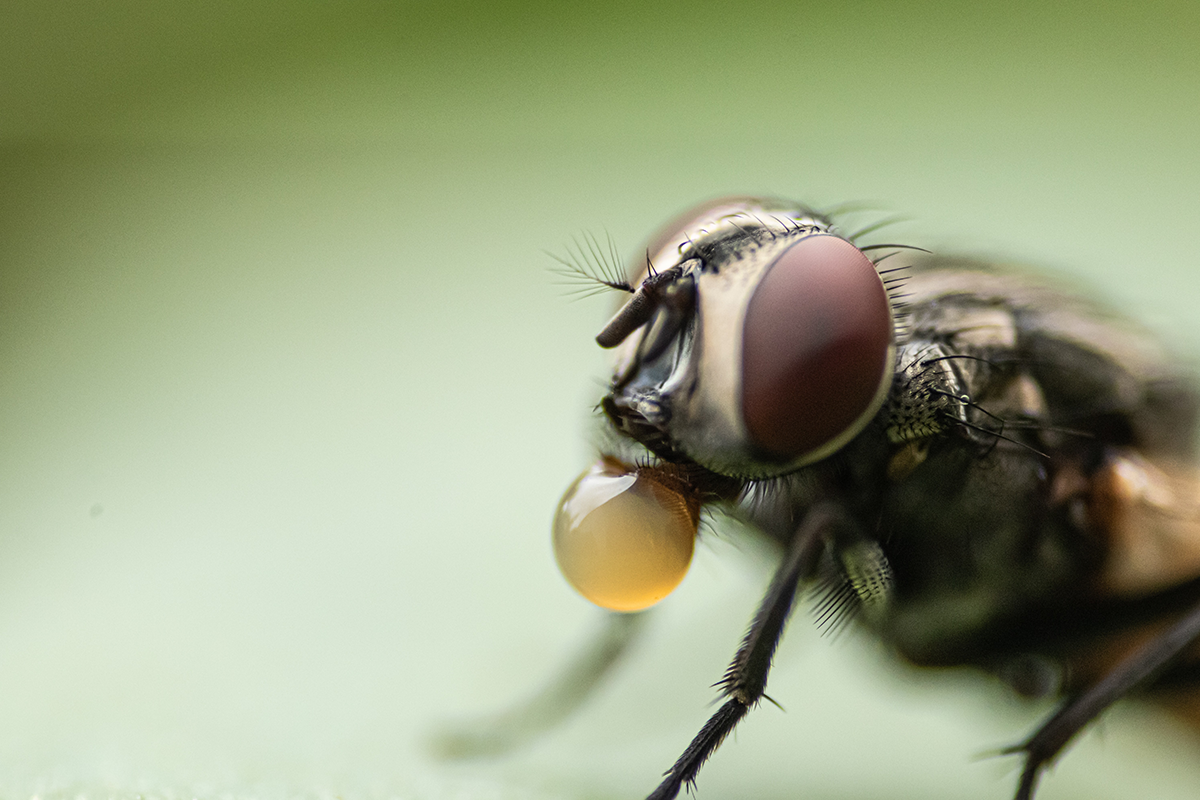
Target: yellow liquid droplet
<point x="623" y="539"/>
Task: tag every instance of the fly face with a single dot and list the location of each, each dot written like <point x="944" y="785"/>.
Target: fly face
<point x="761" y="342"/>
<point x="988" y="471"/>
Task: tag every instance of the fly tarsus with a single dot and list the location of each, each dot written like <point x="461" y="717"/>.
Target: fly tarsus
<point x="1136" y="670"/>
<point x="746" y="679"/>
<point x="706" y="742"/>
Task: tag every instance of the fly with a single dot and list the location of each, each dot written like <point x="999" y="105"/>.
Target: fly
<point x="980" y="469"/>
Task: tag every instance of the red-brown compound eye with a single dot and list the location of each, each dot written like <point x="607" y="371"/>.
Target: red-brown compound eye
<point x="816" y="346"/>
<point x="623" y="536"/>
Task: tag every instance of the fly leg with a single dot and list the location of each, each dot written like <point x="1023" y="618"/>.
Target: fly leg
<point x="555" y="702"/>
<point x="1136" y="670"/>
<point x="746" y="679"/>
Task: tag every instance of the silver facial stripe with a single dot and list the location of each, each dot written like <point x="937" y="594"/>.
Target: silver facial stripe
<point x="708" y="421"/>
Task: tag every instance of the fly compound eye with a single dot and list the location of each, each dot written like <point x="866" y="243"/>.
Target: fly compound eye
<point x="817" y="349"/>
<point x="623" y="535"/>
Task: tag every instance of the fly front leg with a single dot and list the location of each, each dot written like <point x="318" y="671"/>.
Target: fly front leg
<point x="556" y="701"/>
<point x="1135" y="671"/>
<point x="746" y="679"/>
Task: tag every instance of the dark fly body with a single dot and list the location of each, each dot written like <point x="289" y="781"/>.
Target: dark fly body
<point x="979" y="468"/>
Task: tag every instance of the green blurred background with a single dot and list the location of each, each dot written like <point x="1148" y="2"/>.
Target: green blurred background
<point x="288" y="394"/>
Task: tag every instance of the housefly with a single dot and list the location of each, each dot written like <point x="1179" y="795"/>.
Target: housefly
<point x="979" y="468"/>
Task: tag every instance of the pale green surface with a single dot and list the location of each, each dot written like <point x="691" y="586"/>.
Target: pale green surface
<point x="287" y="394"/>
